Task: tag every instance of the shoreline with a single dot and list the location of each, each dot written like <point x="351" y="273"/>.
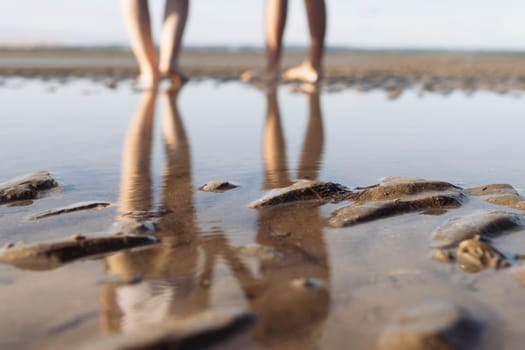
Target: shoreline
<point x="392" y="71"/>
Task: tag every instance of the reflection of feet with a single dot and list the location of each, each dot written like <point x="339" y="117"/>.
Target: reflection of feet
<point x="260" y="76"/>
<point x="176" y="78"/>
<point x="148" y="81"/>
<point x="305" y="88"/>
<point x="305" y="73"/>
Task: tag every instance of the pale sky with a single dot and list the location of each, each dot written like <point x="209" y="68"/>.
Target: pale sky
<point x="463" y="24"/>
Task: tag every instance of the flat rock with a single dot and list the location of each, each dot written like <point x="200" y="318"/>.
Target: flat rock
<point x="359" y="212"/>
<point x="483" y="224"/>
<point x="70" y="209"/>
<point x="500" y="194"/>
<point x="401" y="188"/>
<point x="198" y="331"/>
<point x="304" y="191"/>
<point x="47" y="256"/>
<point x="26" y="188"/>
<point x="217" y="186"/>
<point x="435" y="325"/>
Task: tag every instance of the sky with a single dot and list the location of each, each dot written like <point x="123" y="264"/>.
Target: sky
<point x="444" y="24"/>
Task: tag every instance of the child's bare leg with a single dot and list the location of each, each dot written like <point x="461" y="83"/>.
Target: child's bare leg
<point x="137" y="21"/>
<point x="276" y="11"/>
<point x="175" y="16"/>
<point x="311" y="70"/>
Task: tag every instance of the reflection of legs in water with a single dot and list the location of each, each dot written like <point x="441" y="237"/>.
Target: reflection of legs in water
<point x="135" y="189"/>
<point x="311" y="70"/>
<point x="177" y="197"/>
<point x="175" y="16"/>
<point x="274" y="148"/>
<point x="135" y="197"/>
<point x="170" y="285"/>
<point x="313" y="141"/>
<point x="137" y="20"/>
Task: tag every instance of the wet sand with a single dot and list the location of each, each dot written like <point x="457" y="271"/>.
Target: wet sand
<point x="392" y="71"/>
<point x="310" y="285"/>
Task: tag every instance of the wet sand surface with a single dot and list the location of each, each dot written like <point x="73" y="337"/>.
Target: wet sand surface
<point x="391" y="71"/>
<point x="309" y="285"/>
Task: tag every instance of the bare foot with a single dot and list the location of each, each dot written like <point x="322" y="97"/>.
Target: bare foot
<point x="305" y="73"/>
<point x="260" y="76"/>
<point x="176" y="77"/>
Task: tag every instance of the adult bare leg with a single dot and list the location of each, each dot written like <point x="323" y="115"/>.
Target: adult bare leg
<point x="175" y="17"/>
<point x="137" y="22"/>
<point x="311" y="70"/>
<point x="276" y="11"/>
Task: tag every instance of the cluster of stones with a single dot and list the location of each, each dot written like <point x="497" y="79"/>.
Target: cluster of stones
<point x="465" y="240"/>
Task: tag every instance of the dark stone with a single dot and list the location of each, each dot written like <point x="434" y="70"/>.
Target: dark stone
<point x="217" y="186"/>
<point x="372" y="210"/>
<point x="483" y="224"/>
<point x="400" y="188"/>
<point x="26" y="188"/>
<point x="70" y="209"/>
<point x="304" y="191"/>
<point x="47" y="256"/>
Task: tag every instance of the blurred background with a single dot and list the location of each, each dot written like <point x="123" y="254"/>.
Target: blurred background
<point x="405" y="24"/>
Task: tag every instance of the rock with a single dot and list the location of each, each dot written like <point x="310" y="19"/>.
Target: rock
<point x="26" y="188"/>
<point x="500" y="194"/>
<point x="433" y="325"/>
<point x="371" y="210"/>
<point x="475" y="255"/>
<point x="484" y="224"/>
<point x="47" y="256"/>
<point x="304" y="191"/>
<point x="259" y="251"/>
<point x="217" y="186"/>
<point x="198" y="331"/>
<point x="400" y="188"/>
<point x="70" y="209"/>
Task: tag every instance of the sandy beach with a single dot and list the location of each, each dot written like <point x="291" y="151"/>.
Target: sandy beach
<point x="384" y="210"/>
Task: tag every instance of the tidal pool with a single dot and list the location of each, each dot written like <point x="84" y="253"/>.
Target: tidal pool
<point x="148" y="153"/>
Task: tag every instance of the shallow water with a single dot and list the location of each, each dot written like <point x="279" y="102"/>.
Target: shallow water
<point x="150" y="152"/>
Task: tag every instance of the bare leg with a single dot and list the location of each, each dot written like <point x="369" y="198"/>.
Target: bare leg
<point x="276" y="11"/>
<point x="175" y="16"/>
<point x="311" y="70"/>
<point x="137" y="21"/>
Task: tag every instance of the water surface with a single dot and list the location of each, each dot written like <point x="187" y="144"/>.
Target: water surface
<point x="149" y="152"/>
